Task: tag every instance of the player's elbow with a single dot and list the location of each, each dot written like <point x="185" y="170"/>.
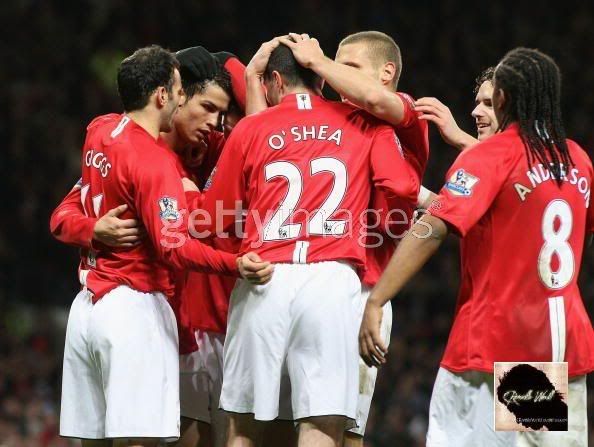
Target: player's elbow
<point x="54" y="224"/>
<point x="374" y="100"/>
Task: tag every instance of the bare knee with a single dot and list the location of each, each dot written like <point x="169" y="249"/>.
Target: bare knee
<point x="244" y="430"/>
<point x="322" y="431"/>
<point x="352" y="440"/>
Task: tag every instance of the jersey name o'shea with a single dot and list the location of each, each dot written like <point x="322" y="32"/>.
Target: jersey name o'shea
<point x="305" y="133"/>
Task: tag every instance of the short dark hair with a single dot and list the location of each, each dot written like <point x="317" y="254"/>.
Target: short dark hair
<point x="486" y="75"/>
<point x="193" y="85"/>
<point x="382" y="49"/>
<point x="282" y="60"/>
<point x="140" y="74"/>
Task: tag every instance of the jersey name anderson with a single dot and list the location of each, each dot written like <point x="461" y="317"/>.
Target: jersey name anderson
<point x="539" y="174"/>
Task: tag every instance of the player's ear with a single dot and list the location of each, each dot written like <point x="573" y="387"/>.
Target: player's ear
<point x="387" y="73"/>
<point x="162" y="96"/>
<point x="277" y="79"/>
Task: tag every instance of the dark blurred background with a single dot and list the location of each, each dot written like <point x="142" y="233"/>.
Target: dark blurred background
<point x="59" y="72"/>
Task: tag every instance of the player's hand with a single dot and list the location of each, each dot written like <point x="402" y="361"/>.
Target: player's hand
<point x="115" y="232"/>
<point x="252" y="268"/>
<point x="189" y="185"/>
<point x="257" y="65"/>
<point x="306" y="50"/>
<point x="371" y="346"/>
<point x="199" y="62"/>
<point x="438" y="113"/>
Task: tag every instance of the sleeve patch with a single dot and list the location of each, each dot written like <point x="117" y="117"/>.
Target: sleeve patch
<point x="461" y="183"/>
<point x="168" y="209"/>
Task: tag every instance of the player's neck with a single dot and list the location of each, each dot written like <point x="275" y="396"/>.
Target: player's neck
<point x="172" y="139"/>
<point x="301" y="89"/>
<point x="147" y="120"/>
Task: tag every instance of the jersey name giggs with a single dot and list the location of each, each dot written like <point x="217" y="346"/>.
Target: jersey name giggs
<point x="99" y="161"/>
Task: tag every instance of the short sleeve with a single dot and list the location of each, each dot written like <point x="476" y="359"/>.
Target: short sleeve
<point x="472" y="183"/>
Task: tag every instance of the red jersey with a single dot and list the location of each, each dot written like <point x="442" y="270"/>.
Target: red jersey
<point x="521" y="249"/>
<point x="389" y="225"/>
<point x="122" y="163"/>
<point x="304" y="170"/>
<point x="205" y="297"/>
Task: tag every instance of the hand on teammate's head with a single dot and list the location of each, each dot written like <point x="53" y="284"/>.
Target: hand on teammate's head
<point x="197" y="62"/>
<point x="306" y="50"/>
<point x="259" y="61"/>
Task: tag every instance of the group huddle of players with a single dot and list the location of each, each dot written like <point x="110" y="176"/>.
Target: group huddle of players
<point x="216" y="171"/>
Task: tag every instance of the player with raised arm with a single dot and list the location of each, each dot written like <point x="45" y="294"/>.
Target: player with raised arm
<point x="526" y="187"/>
<point x="366" y="71"/>
<point x="120" y="375"/>
<point x="432" y="109"/>
<point x="302" y="170"/>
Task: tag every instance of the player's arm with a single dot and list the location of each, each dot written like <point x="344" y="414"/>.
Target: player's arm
<point x="411" y="254"/>
<point x="350" y="83"/>
<point x="161" y="204"/>
<point x="255" y="97"/>
<point x="472" y="183"/>
<point x="70" y="225"/>
<point x="435" y="111"/>
<point x="426" y="196"/>
<point x="390" y="171"/>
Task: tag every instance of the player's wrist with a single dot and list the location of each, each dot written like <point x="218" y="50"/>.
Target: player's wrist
<point x="464" y="140"/>
<point x="319" y="63"/>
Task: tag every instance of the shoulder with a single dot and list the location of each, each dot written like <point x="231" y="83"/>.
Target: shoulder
<point x="576" y="151"/>
<point x="110" y="118"/>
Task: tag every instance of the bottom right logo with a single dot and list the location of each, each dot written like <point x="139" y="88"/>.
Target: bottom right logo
<point x="530" y="396"/>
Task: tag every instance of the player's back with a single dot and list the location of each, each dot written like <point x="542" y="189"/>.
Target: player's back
<point x="519" y="298"/>
<point x="113" y="148"/>
<point x="308" y="167"/>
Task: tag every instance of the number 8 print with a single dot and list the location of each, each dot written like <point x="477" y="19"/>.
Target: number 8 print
<point x="555" y="242"/>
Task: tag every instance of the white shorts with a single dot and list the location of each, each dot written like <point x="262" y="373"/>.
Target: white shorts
<point x="367" y="375"/>
<point x="461" y="414"/>
<point x="201" y="377"/>
<point x="121" y="371"/>
<point x="307" y="316"/>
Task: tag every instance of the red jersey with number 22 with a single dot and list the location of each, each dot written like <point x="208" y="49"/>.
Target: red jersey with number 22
<point x="304" y="169"/>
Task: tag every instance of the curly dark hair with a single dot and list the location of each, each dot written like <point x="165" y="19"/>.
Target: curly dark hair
<point x="140" y="74"/>
<point x="486" y="75"/>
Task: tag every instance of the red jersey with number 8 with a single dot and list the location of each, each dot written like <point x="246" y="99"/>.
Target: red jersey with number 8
<point x="304" y="171"/>
<point x="521" y="248"/>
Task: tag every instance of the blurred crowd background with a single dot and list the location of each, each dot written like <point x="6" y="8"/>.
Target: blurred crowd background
<point x="59" y="72"/>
